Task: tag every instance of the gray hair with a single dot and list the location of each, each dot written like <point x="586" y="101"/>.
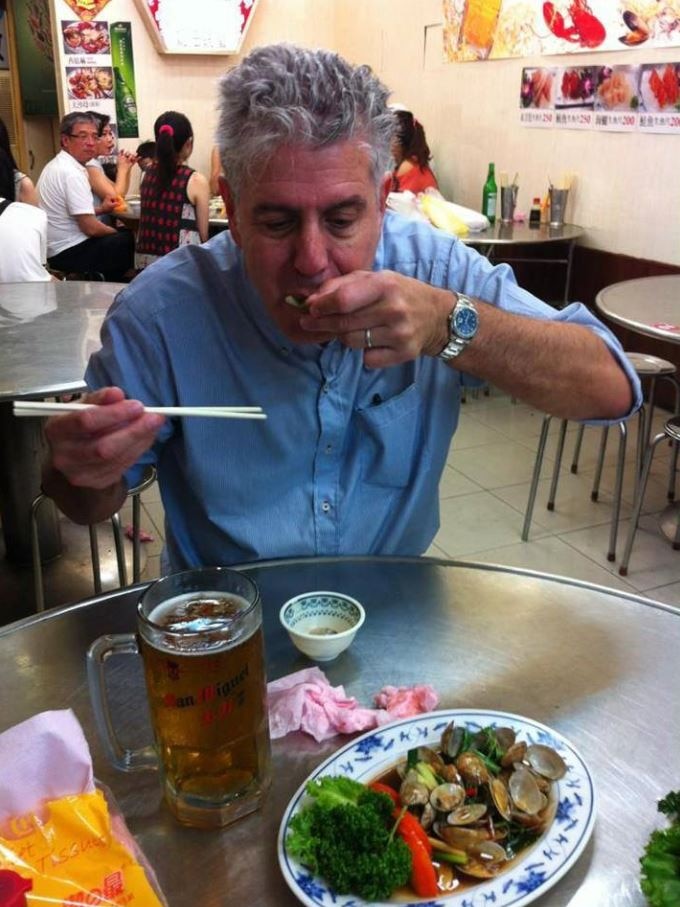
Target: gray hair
<point x="72" y="119"/>
<point x="286" y="94"/>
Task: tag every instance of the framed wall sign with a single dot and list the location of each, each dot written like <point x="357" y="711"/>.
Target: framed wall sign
<point x="199" y="27"/>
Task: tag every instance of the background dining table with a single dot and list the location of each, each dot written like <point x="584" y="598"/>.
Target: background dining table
<point x="47" y="332"/>
<point x="649" y="306"/>
<point x="496" y="242"/>
<point x="599" y="666"/>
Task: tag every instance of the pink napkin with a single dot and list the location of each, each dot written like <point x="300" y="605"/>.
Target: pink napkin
<point x="43" y="758"/>
<point x="305" y="701"/>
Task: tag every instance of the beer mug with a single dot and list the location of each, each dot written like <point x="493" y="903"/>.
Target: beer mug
<point x="199" y="634"/>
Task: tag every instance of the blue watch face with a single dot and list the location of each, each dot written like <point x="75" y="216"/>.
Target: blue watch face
<point x="465" y="322"/>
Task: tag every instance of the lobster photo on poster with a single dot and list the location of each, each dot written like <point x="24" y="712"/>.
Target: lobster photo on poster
<point x="497" y="29"/>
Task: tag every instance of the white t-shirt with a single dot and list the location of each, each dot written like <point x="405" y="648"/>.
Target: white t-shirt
<point x="64" y="190"/>
<point x="23" y="243"/>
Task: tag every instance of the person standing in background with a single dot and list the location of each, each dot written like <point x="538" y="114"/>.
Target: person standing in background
<point x="411" y="155"/>
<point x="174" y="198"/>
<point x="24" y="190"/>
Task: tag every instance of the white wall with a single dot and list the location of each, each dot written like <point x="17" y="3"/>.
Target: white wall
<point x="188" y="83"/>
<point x="627" y="193"/>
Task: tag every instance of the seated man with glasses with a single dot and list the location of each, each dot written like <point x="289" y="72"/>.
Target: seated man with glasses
<point x="76" y="239"/>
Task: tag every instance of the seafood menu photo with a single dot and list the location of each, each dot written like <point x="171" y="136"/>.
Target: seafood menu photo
<point x="86" y="37"/>
<point x="89" y="82"/>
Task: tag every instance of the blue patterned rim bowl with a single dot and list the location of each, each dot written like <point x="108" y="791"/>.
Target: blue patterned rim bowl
<point x="322" y="624"/>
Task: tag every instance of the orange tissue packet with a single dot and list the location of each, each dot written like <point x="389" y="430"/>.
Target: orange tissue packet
<point x="62" y="836"/>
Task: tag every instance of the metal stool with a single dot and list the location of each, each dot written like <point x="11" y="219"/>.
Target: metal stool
<point x="647" y="367"/>
<point x="618" y="485"/>
<point x="671" y="430"/>
<point x="148" y="478"/>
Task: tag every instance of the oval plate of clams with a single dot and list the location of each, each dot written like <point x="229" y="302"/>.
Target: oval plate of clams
<point x="510" y="797"/>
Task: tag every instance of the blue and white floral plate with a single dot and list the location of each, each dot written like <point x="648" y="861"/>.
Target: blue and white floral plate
<point x="374" y="753"/>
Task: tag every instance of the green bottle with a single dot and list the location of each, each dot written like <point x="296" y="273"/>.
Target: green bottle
<point x="490" y="195"/>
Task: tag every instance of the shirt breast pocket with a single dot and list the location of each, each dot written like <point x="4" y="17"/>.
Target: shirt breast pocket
<point x="388" y="436"/>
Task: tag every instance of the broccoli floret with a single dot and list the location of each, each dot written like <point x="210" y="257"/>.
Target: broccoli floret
<point x="670" y="805"/>
<point x="344" y="836"/>
<point x="660" y="881"/>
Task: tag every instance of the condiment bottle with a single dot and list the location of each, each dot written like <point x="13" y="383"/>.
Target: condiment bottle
<point x="545" y="209"/>
<point x="490" y="195"/>
<point x="535" y="213"/>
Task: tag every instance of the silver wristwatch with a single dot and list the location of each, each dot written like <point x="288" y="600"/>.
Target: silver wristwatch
<point x="463" y="324"/>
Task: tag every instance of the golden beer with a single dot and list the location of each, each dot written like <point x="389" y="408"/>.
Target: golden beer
<point x="204" y="664"/>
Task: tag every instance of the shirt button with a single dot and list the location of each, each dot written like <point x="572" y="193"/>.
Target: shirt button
<point x="329" y="448"/>
<point x="325" y="506"/>
<point x="324" y="389"/>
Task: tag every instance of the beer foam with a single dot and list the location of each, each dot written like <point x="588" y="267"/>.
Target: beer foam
<point x="211" y="614"/>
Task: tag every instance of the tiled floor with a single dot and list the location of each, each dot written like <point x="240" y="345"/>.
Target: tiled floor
<point x="485" y="488"/>
<point x="484" y="492"/>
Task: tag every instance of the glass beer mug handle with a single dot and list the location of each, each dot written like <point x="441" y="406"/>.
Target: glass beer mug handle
<point x="101" y="649"/>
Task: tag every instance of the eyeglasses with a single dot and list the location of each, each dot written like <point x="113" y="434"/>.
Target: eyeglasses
<point x="84" y="136"/>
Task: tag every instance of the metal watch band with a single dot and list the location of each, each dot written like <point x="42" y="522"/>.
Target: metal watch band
<point x="456" y="344"/>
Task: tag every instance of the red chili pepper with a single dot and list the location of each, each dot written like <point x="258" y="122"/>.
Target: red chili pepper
<point x="412" y="833"/>
<point x="423" y="874"/>
<point x="410" y="827"/>
<point x="381" y="788"/>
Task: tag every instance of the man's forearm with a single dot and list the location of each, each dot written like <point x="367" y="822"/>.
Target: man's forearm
<point x="562" y="369"/>
<point x="82" y="505"/>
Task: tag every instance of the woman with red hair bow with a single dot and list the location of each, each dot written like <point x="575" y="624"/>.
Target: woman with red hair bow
<point x="174" y="198"/>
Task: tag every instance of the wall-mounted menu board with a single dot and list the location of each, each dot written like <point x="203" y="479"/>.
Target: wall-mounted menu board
<point x="197" y="27"/>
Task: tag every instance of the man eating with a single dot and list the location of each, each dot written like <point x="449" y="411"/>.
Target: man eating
<point x="360" y="378"/>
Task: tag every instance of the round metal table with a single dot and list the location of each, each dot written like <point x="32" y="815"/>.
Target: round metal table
<point x="599" y="666"/>
<point x="495" y="241"/>
<point x="648" y="305"/>
<point x="47" y="333"/>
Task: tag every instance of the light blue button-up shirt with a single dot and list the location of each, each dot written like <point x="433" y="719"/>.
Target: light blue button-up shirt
<point x="348" y="461"/>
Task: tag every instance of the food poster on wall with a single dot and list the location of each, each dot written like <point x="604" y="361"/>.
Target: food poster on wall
<point x="536" y="96"/>
<point x="90" y="50"/>
<point x="35" y="58"/>
<point x="619" y="98"/>
<point x="497" y="29"/>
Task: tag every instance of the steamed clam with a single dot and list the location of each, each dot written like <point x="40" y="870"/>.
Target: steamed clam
<point x="483" y="795"/>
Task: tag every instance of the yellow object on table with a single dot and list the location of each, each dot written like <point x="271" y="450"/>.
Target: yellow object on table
<point x="440" y="214"/>
<point x="73" y="856"/>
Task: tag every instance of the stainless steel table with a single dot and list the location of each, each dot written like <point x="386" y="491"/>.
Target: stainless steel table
<point x="600" y="666"/>
<point x="649" y="306"/>
<point x="47" y="332"/>
<point x="496" y="240"/>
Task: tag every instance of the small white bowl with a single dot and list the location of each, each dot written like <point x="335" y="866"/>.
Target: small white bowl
<point x="322" y="624"/>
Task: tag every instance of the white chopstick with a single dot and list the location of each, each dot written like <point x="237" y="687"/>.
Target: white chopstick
<point x="38" y="408"/>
